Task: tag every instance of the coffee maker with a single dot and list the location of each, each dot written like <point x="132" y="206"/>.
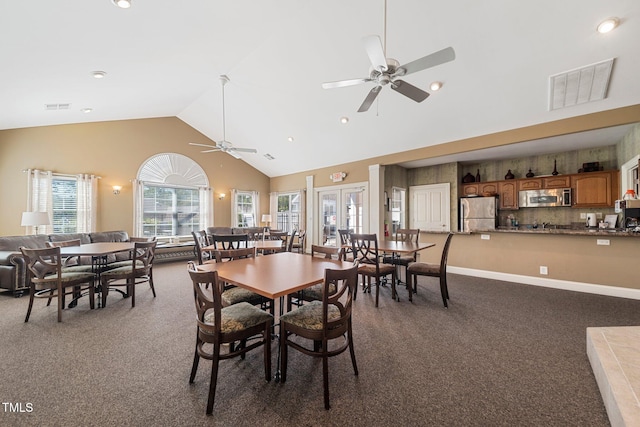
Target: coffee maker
<point x="631" y="213"/>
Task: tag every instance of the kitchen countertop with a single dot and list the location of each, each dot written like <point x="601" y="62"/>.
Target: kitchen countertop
<point x="618" y="232"/>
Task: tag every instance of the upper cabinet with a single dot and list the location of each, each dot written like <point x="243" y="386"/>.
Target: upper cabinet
<point x="590" y="189"/>
<point x="595" y="189"/>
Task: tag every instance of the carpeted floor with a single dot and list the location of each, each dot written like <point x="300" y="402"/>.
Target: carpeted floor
<point x="503" y="354"/>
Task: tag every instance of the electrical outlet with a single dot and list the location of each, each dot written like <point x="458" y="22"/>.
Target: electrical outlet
<point x="603" y="242"/>
<point x="599" y="215"/>
<point x="583" y="215"/>
<point x="544" y="270"/>
<point x="485" y="236"/>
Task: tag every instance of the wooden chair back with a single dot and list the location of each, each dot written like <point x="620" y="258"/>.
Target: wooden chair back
<point x="229" y="241"/>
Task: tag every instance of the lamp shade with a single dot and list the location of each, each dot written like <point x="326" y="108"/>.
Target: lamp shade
<point x="266" y="218"/>
<point x="35" y="219"/>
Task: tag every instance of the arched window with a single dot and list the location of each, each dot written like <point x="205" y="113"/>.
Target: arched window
<point x="171" y="197"/>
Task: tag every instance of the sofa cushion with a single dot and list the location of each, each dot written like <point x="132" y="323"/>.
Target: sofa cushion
<point x="109" y="236"/>
<point x="13" y="243"/>
<point x="63" y="237"/>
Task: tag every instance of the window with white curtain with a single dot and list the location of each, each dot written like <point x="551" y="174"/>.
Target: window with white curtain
<point x="171" y="197"/>
<point x="289" y="211"/>
<point x="245" y="208"/>
<point x="70" y="200"/>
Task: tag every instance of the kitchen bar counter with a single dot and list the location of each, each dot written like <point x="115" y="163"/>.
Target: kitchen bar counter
<point x="617" y="232"/>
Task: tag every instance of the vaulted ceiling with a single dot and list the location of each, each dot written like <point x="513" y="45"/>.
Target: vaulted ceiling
<point x="164" y="58"/>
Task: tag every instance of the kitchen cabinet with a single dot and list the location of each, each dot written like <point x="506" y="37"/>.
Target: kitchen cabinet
<point x="595" y="189"/>
<point x="558" y="181"/>
<point x="488" y="187"/>
<point x="529" y="184"/>
<point x="469" y="189"/>
<point x="480" y="187"/>
<point x="508" y="193"/>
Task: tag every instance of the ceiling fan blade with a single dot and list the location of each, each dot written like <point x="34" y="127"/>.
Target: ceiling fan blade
<point x="202" y="145"/>
<point x="213" y="150"/>
<point x="436" y="58"/>
<point x="344" y="83"/>
<point x="373" y="46"/>
<point x="244" y="150"/>
<point x="369" y="99"/>
<point x="409" y="90"/>
<point x="233" y="153"/>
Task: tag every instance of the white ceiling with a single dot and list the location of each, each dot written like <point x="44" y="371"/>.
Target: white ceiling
<point x="164" y="58"/>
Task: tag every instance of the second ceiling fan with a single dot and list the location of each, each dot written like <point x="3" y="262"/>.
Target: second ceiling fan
<point x="387" y="71"/>
<point x="224" y="145"/>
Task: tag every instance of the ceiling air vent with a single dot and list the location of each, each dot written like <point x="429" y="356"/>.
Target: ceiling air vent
<point x="579" y="86"/>
<point x="50" y="107"/>
<point x="269" y="156"/>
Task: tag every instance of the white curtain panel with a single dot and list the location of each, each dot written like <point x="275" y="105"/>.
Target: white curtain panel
<point x="234" y="207"/>
<point x="39" y="197"/>
<point x="206" y="208"/>
<point x="138" y="203"/>
<point x="87" y="207"/>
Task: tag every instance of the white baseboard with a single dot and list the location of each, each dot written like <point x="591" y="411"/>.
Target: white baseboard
<point x="590" y="288"/>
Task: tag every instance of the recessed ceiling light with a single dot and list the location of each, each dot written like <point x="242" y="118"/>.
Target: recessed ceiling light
<point x="87" y="110"/>
<point x="344" y="120"/>
<point x="124" y="4"/>
<point x="290" y="139"/>
<point x="436" y="86"/>
<point x="608" y="25"/>
<point x="98" y="74"/>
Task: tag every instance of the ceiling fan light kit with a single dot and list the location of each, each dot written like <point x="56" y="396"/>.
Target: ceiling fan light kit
<point x="224" y="145"/>
<point x="386" y="71"/>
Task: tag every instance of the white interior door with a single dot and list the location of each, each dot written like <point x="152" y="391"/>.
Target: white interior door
<point x="340" y="208"/>
<point x="430" y="207"/>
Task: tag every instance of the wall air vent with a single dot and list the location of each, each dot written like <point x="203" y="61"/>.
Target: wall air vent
<point x="580" y="85"/>
<point x="51" y="107"/>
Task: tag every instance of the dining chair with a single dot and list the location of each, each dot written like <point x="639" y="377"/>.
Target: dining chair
<point x="232" y="294"/>
<point x="200" y="239"/>
<point x="229" y="241"/>
<point x="314" y="292"/>
<point x="47" y="278"/>
<point x="278" y="235"/>
<point x="72" y="263"/>
<point x="409" y="235"/>
<point x="290" y="240"/>
<point x="365" y="251"/>
<point x="299" y="244"/>
<point x="139" y="269"/>
<point x="322" y="322"/>
<point x="416" y="269"/>
<point x="218" y="325"/>
<point x="345" y="244"/>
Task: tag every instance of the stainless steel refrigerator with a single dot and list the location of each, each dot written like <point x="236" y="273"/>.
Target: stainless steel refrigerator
<point x="478" y="213"/>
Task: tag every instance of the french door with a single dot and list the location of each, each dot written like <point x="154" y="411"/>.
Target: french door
<point x="340" y="208"/>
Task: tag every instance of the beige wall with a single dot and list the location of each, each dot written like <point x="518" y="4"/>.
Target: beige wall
<point x="114" y="151"/>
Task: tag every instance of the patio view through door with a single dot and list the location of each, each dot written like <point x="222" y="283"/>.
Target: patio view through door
<point x="340" y="208"/>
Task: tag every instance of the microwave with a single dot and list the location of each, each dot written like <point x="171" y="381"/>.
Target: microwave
<point x="544" y="198"/>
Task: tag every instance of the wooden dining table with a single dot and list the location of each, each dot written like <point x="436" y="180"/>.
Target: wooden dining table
<point x="99" y="252"/>
<point x="277" y="275"/>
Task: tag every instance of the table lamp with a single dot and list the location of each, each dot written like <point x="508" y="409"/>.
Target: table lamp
<point x="266" y="218"/>
<point x="35" y="219"/>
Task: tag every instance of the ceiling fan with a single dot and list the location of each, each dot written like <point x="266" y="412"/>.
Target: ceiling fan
<point x="386" y="71"/>
<point x="224" y="145"/>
